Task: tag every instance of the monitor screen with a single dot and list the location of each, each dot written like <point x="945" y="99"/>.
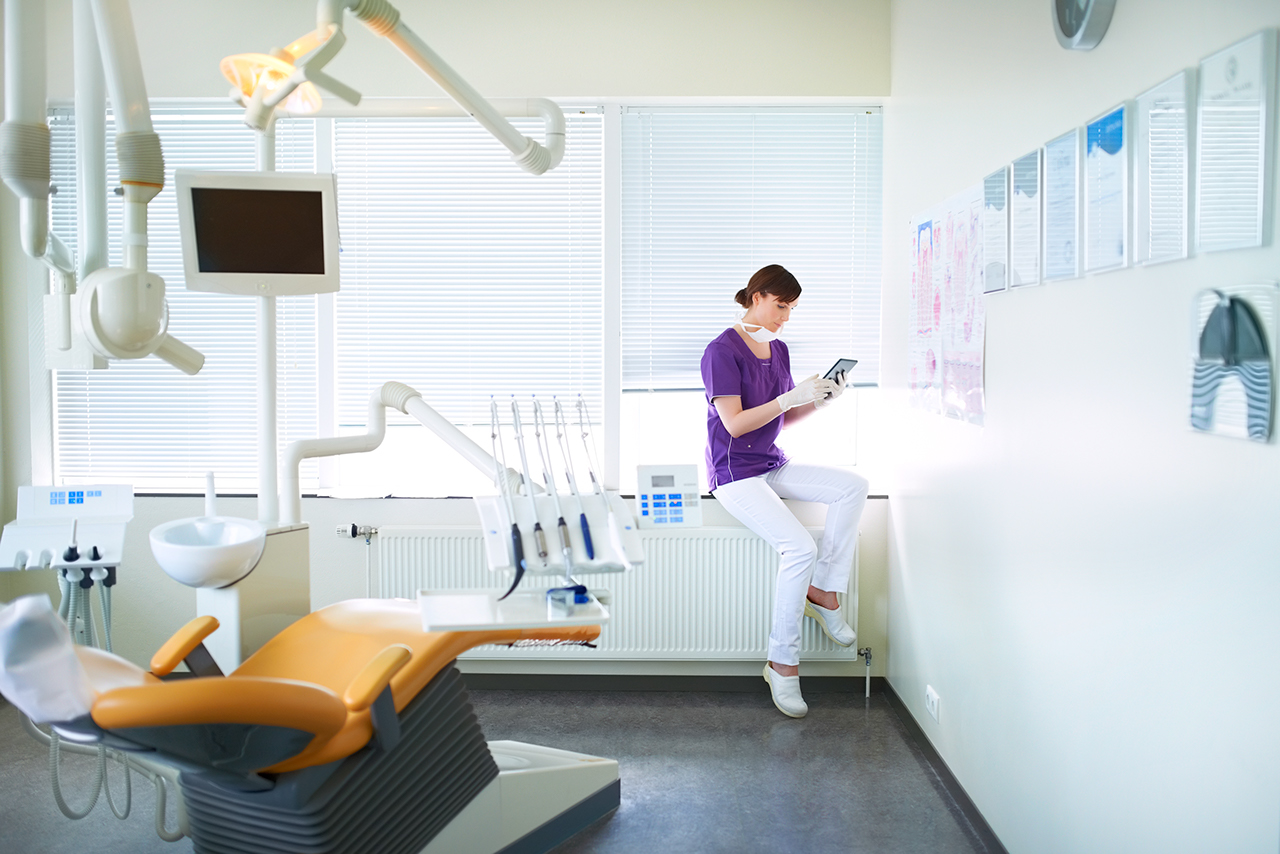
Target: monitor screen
<point x="258" y="231"/>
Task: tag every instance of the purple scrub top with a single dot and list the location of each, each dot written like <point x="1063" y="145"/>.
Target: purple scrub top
<point x="729" y="368"/>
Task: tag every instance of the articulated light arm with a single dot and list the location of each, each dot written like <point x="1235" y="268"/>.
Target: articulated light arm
<point x="310" y="54"/>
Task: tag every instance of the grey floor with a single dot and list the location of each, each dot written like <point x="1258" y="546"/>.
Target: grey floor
<point x="701" y="772"/>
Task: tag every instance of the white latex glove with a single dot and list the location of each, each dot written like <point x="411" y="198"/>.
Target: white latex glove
<point x="837" y="389"/>
<point x="807" y="391"/>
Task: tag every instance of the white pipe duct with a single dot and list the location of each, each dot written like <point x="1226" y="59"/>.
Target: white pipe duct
<point x="91" y="143"/>
<point x="396" y="396"/>
<point x="25" y="151"/>
<point x="296" y="452"/>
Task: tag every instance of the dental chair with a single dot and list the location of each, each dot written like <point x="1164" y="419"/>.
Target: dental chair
<point x="350" y="731"/>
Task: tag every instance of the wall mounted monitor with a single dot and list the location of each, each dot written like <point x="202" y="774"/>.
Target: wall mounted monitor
<point x="258" y="233"/>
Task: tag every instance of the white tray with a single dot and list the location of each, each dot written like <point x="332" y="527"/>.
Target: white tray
<point x="480" y="610"/>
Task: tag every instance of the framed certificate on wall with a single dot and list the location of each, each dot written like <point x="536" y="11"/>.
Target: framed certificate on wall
<point x="1235" y="145"/>
<point x="1106" y="192"/>
<point x="1163" y="119"/>
<point x="1062" y="242"/>
<point x="1024" y="221"/>
<point x="995" y="231"/>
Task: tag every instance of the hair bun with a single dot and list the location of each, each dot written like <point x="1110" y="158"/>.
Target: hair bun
<point x="741" y="298"/>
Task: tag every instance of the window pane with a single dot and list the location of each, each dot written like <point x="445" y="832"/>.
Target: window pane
<point x="143" y="422"/>
<point x="712" y="195"/>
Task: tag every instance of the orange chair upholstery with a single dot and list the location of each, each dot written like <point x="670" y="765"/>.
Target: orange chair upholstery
<point x="320" y="676"/>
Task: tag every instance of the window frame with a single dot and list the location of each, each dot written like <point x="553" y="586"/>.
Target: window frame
<point x="42" y="436"/>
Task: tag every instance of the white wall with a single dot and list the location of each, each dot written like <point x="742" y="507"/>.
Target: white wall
<point x="618" y="48"/>
<point x="609" y="48"/>
<point x="1091" y="588"/>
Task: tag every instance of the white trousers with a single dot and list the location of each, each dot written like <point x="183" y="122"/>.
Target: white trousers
<point x="757" y="503"/>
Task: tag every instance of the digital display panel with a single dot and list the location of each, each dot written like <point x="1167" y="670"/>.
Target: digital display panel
<point x="258" y="231"/>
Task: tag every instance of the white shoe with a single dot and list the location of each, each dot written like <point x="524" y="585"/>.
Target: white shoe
<point x="786" y="693"/>
<point x="832" y="623"/>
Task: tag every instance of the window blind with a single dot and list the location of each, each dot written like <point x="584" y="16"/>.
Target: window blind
<point x="143" y="422"/>
<point x="463" y="276"/>
<point x="710" y="195"/>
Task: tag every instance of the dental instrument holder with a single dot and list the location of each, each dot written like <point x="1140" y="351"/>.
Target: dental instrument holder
<point x="75" y="529"/>
<point x="496" y="528"/>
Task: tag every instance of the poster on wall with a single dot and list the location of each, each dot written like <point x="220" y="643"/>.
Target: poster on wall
<point x="1233" y="143"/>
<point x="1106" y="193"/>
<point x="924" y="317"/>
<point x="1162" y="170"/>
<point x="1024" y="222"/>
<point x="1233" y="335"/>
<point x="1062" y="207"/>
<point x="964" y="306"/>
<point x="995" y="230"/>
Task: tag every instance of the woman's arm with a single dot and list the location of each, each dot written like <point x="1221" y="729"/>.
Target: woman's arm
<point x="739" y="421"/>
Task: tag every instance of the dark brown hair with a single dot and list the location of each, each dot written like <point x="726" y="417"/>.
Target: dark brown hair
<point x="774" y="280"/>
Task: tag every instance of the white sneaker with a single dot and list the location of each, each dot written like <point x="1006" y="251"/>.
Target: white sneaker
<point x="832" y="623"/>
<point x="786" y="693"/>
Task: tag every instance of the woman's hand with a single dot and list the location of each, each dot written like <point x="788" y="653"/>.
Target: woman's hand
<point x="812" y="390"/>
<point x="837" y="389"/>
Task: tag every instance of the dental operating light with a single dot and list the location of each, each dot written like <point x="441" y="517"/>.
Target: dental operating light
<point x="287" y="79"/>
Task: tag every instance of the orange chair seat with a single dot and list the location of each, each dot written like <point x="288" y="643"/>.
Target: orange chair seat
<point x="312" y="663"/>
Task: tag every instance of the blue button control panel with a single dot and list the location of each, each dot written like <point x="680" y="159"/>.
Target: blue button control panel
<point x="668" y="495"/>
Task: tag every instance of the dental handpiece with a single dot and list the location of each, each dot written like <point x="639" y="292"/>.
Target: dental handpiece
<point x="500" y="457"/>
<point x="615" y="525"/>
<point x="544" y="452"/>
<point x="562" y="439"/>
<point x="539" y="537"/>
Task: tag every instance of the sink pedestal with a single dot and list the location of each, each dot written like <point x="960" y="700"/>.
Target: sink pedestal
<point x="255" y="609"/>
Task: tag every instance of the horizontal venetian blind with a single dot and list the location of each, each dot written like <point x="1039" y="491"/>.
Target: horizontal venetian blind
<point x="710" y="195"/>
<point x="143" y="422"/>
<point x="463" y="276"/>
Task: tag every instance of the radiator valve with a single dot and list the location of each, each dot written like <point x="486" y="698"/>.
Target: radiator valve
<point x="352" y="531"/>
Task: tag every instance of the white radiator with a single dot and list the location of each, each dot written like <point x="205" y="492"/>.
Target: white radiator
<point x="702" y="593"/>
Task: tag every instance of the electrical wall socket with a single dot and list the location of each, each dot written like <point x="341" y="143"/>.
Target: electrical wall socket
<point x="931" y="701"/>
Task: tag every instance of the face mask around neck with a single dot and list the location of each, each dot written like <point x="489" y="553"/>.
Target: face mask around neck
<point x="760" y="334"/>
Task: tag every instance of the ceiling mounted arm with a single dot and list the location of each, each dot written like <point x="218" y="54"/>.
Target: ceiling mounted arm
<point x="309" y="54"/>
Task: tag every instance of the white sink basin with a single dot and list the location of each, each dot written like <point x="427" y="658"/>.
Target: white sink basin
<point x="208" y="551"/>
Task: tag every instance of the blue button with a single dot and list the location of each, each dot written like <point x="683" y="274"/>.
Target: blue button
<point x="644" y="512"/>
<point x="659" y="504"/>
<point x="677" y="518"/>
<point x="659" y="521"/>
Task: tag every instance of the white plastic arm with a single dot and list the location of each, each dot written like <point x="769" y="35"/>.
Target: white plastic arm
<point x="296" y="452"/>
<point x="396" y="396"/>
<point x="384" y="20"/>
<point x="25" y="141"/>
